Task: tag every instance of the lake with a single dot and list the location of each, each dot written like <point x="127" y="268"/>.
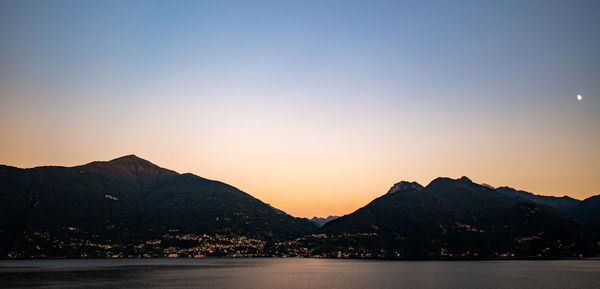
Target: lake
<point x="277" y="273"/>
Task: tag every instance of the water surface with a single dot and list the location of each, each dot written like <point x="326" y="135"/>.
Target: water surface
<point x="297" y="273"/>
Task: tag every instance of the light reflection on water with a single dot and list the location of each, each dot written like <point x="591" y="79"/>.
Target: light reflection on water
<point x="296" y="273"/>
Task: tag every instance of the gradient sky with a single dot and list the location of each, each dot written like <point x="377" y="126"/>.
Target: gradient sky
<point x="315" y="107"/>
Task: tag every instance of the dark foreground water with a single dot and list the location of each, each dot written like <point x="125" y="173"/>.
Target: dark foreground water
<point x="297" y="273"/>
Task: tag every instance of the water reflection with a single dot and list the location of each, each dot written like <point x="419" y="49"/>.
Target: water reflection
<point x="296" y="274"/>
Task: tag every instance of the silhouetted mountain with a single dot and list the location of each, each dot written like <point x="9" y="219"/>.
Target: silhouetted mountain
<point x="453" y="218"/>
<point x="321" y="221"/>
<point x="588" y="213"/>
<point x="131" y="207"/>
<point x="54" y="211"/>
<point x="401" y="186"/>
<point x="278" y="210"/>
<point x="563" y="204"/>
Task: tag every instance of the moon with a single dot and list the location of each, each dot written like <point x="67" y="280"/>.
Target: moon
<point x="579" y="97"/>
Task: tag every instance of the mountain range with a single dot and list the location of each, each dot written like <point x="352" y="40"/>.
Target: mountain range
<point x="129" y="207"/>
<point x="321" y="221"/>
<point x="456" y="218"/>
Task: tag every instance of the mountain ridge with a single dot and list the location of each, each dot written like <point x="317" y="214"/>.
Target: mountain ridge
<point x="122" y="203"/>
<point x="452" y="218"/>
<point x="588" y="213"/>
<point x="322" y="221"/>
<point x="564" y="203"/>
<point x="129" y="206"/>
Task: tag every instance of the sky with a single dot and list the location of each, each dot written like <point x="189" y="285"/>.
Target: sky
<point x="315" y="107"/>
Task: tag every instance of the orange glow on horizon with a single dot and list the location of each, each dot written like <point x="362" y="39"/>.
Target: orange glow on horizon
<point x="323" y="191"/>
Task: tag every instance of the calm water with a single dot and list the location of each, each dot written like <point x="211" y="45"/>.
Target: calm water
<point x="296" y="273"/>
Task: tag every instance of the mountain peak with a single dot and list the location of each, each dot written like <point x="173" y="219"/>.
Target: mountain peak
<point x="128" y="157"/>
<point x="131" y="159"/>
<point x="321" y="221"/>
<point x="448" y="181"/>
<point x="128" y="166"/>
<point x="404" y="185"/>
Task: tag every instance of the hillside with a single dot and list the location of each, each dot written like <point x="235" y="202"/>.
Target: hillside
<point x="588" y="213"/>
<point x="563" y="204"/>
<point x="453" y="219"/>
<point x="60" y="211"/>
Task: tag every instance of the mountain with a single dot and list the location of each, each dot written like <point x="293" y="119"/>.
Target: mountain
<point x="452" y="218"/>
<point x="402" y="186"/>
<point x="588" y="213"/>
<point x="563" y="204"/>
<point x="63" y="211"/>
<point x="321" y="221"/>
<point x="129" y="207"/>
